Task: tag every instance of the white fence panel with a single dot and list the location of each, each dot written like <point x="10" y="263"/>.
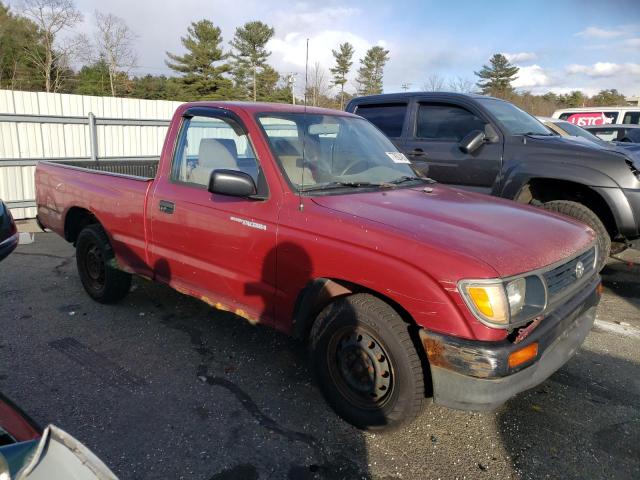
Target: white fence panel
<point x="23" y="143"/>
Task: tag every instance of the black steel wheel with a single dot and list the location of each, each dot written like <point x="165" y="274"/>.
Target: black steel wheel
<point x="360" y="368"/>
<point x="95" y="261"/>
<point x="366" y="363"/>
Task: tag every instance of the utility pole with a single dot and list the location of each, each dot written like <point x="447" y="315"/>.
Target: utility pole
<point x="291" y="79"/>
<point x="405" y="86"/>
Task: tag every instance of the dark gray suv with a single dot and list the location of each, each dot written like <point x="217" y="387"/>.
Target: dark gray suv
<point x="488" y="145"/>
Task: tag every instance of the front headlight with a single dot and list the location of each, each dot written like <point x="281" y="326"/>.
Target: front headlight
<point x="504" y="303"/>
<point x="516" y="291"/>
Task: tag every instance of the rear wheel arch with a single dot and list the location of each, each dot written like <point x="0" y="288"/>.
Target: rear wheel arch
<point x="76" y="219"/>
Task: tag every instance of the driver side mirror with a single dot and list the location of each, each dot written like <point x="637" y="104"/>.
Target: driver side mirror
<point x="472" y="141"/>
<point x="232" y="182"/>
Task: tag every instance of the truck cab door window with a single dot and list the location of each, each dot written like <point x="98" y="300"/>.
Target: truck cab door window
<point x="208" y="144"/>
<point x="434" y="146"/>
<point x="446" y="122"/>
<point x="388" y="117"/>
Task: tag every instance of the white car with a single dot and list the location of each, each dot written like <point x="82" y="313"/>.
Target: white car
<point x="592" y="116"/>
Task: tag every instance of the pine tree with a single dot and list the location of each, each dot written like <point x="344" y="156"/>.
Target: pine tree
<point x="251" y="54"/>
<point x="341" y="70"/>
<point x="496" y="79"/>
<point x="371" y="71"/>
<point x="203" y="67"/>
<point x="272" y="87"/>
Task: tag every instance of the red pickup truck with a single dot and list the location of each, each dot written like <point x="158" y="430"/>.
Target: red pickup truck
<point x="313" y="223"/>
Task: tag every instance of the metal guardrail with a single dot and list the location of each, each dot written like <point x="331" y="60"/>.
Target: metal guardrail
<point x="142" y="166"/>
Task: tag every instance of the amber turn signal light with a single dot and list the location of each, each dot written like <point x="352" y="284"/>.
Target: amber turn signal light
<point x="523" y="355"/>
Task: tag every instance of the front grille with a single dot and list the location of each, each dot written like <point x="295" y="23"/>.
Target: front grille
<point x="564" y="276"/>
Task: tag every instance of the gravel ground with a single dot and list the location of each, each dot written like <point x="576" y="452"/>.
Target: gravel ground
<point x="162" y="386"/>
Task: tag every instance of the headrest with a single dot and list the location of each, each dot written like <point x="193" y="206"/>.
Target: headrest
<point x="214" y="154"/>
<point x="230" y="145"/>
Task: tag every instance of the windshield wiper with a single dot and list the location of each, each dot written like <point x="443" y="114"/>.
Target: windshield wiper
<point x="332" y="185"/>
<point x="539" y="134"/>
<point x="408" y="178"/>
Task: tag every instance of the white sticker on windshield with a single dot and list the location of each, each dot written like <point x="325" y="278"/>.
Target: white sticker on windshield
<point x="397" y="157"/>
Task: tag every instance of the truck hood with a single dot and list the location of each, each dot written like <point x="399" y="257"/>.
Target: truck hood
<point x="510" y="238"/>
<point x="579" y="148"/>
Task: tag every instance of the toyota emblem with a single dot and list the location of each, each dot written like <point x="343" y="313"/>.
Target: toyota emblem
<point x="579" y="270"/>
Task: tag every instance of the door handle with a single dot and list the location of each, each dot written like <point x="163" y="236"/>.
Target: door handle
<point x="167" y="206"/>
<point x="417" y="152"/>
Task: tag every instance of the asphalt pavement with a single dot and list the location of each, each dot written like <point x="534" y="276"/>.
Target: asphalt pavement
<point x="161" y="386"/>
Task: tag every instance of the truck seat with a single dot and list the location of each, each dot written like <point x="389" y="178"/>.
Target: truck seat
<point x="212" y="155"/>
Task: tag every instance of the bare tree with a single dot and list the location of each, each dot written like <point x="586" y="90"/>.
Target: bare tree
<point x="318" y="90"/>
<point x="52" y="57"/>
<point x="114" y="40"/>
<point x="434" y="83"/>
<point x="461" y="85"/>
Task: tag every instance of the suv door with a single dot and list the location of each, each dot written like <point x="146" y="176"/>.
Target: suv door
<point x="433" y="147"/>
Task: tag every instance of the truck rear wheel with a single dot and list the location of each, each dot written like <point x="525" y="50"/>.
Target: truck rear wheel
<point x="366" y="363"/>
<point x="583" y="214"/>
<point x="95" y="257"/>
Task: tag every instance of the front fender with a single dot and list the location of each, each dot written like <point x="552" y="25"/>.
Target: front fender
<point x="520" y="174"/>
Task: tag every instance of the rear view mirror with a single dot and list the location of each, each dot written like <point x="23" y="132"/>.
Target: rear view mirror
<point x="472" y="141"/>
<point x="324" y="129"/>
<point x="232" y="183"/>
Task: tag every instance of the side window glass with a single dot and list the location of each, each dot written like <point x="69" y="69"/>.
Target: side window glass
<point x="446" y="122"/>
<point x="389" y="117"/>
<point x="607" y="135"/>
<point x="632" y="118"/>
<point x="207" y="144"/>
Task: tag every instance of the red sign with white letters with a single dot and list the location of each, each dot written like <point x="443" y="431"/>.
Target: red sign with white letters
<point x="592" y="118"/>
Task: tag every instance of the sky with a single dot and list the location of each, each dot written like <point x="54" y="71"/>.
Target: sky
<point x="559" y="45"/>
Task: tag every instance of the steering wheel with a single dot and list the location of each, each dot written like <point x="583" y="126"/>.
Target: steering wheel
<point x="351" y="166"/>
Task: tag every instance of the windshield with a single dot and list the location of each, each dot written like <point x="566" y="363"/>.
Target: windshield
<point x="514" y="120"/>
<point x="322" y="152"/>
<point x="575" y="131"/>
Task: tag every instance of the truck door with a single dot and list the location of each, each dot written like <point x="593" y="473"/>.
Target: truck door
<point x="432" y="145"/>
<point x="216" y="247"/>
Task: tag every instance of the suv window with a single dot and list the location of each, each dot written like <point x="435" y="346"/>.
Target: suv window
<point x="446" y="122"/>
<point x="207" y="144"/>
<point x="388" y="117"/>
<point x="632" y="118"/>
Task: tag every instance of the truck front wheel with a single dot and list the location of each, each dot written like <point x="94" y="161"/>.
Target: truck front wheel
<point x="95" y="257"/>
<point x="583" y="214"/>
<point x="366" y="363"/>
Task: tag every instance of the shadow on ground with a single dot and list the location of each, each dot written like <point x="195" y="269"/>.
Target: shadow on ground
<point x="598" y="438"/>
<point x="621" y="276"/>
<point x="162" y="386"/>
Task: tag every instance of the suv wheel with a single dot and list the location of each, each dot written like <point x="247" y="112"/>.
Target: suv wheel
<point x="583" y="214"/>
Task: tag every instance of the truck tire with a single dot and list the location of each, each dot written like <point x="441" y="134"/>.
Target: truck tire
<point x="95" y="260"/>
<point x="583" y="214"/>
<point x="366" y="363"/>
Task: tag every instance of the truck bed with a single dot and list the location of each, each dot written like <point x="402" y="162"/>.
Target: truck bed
<point x="136" y="168"/>
<point x="114" y="192"/>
